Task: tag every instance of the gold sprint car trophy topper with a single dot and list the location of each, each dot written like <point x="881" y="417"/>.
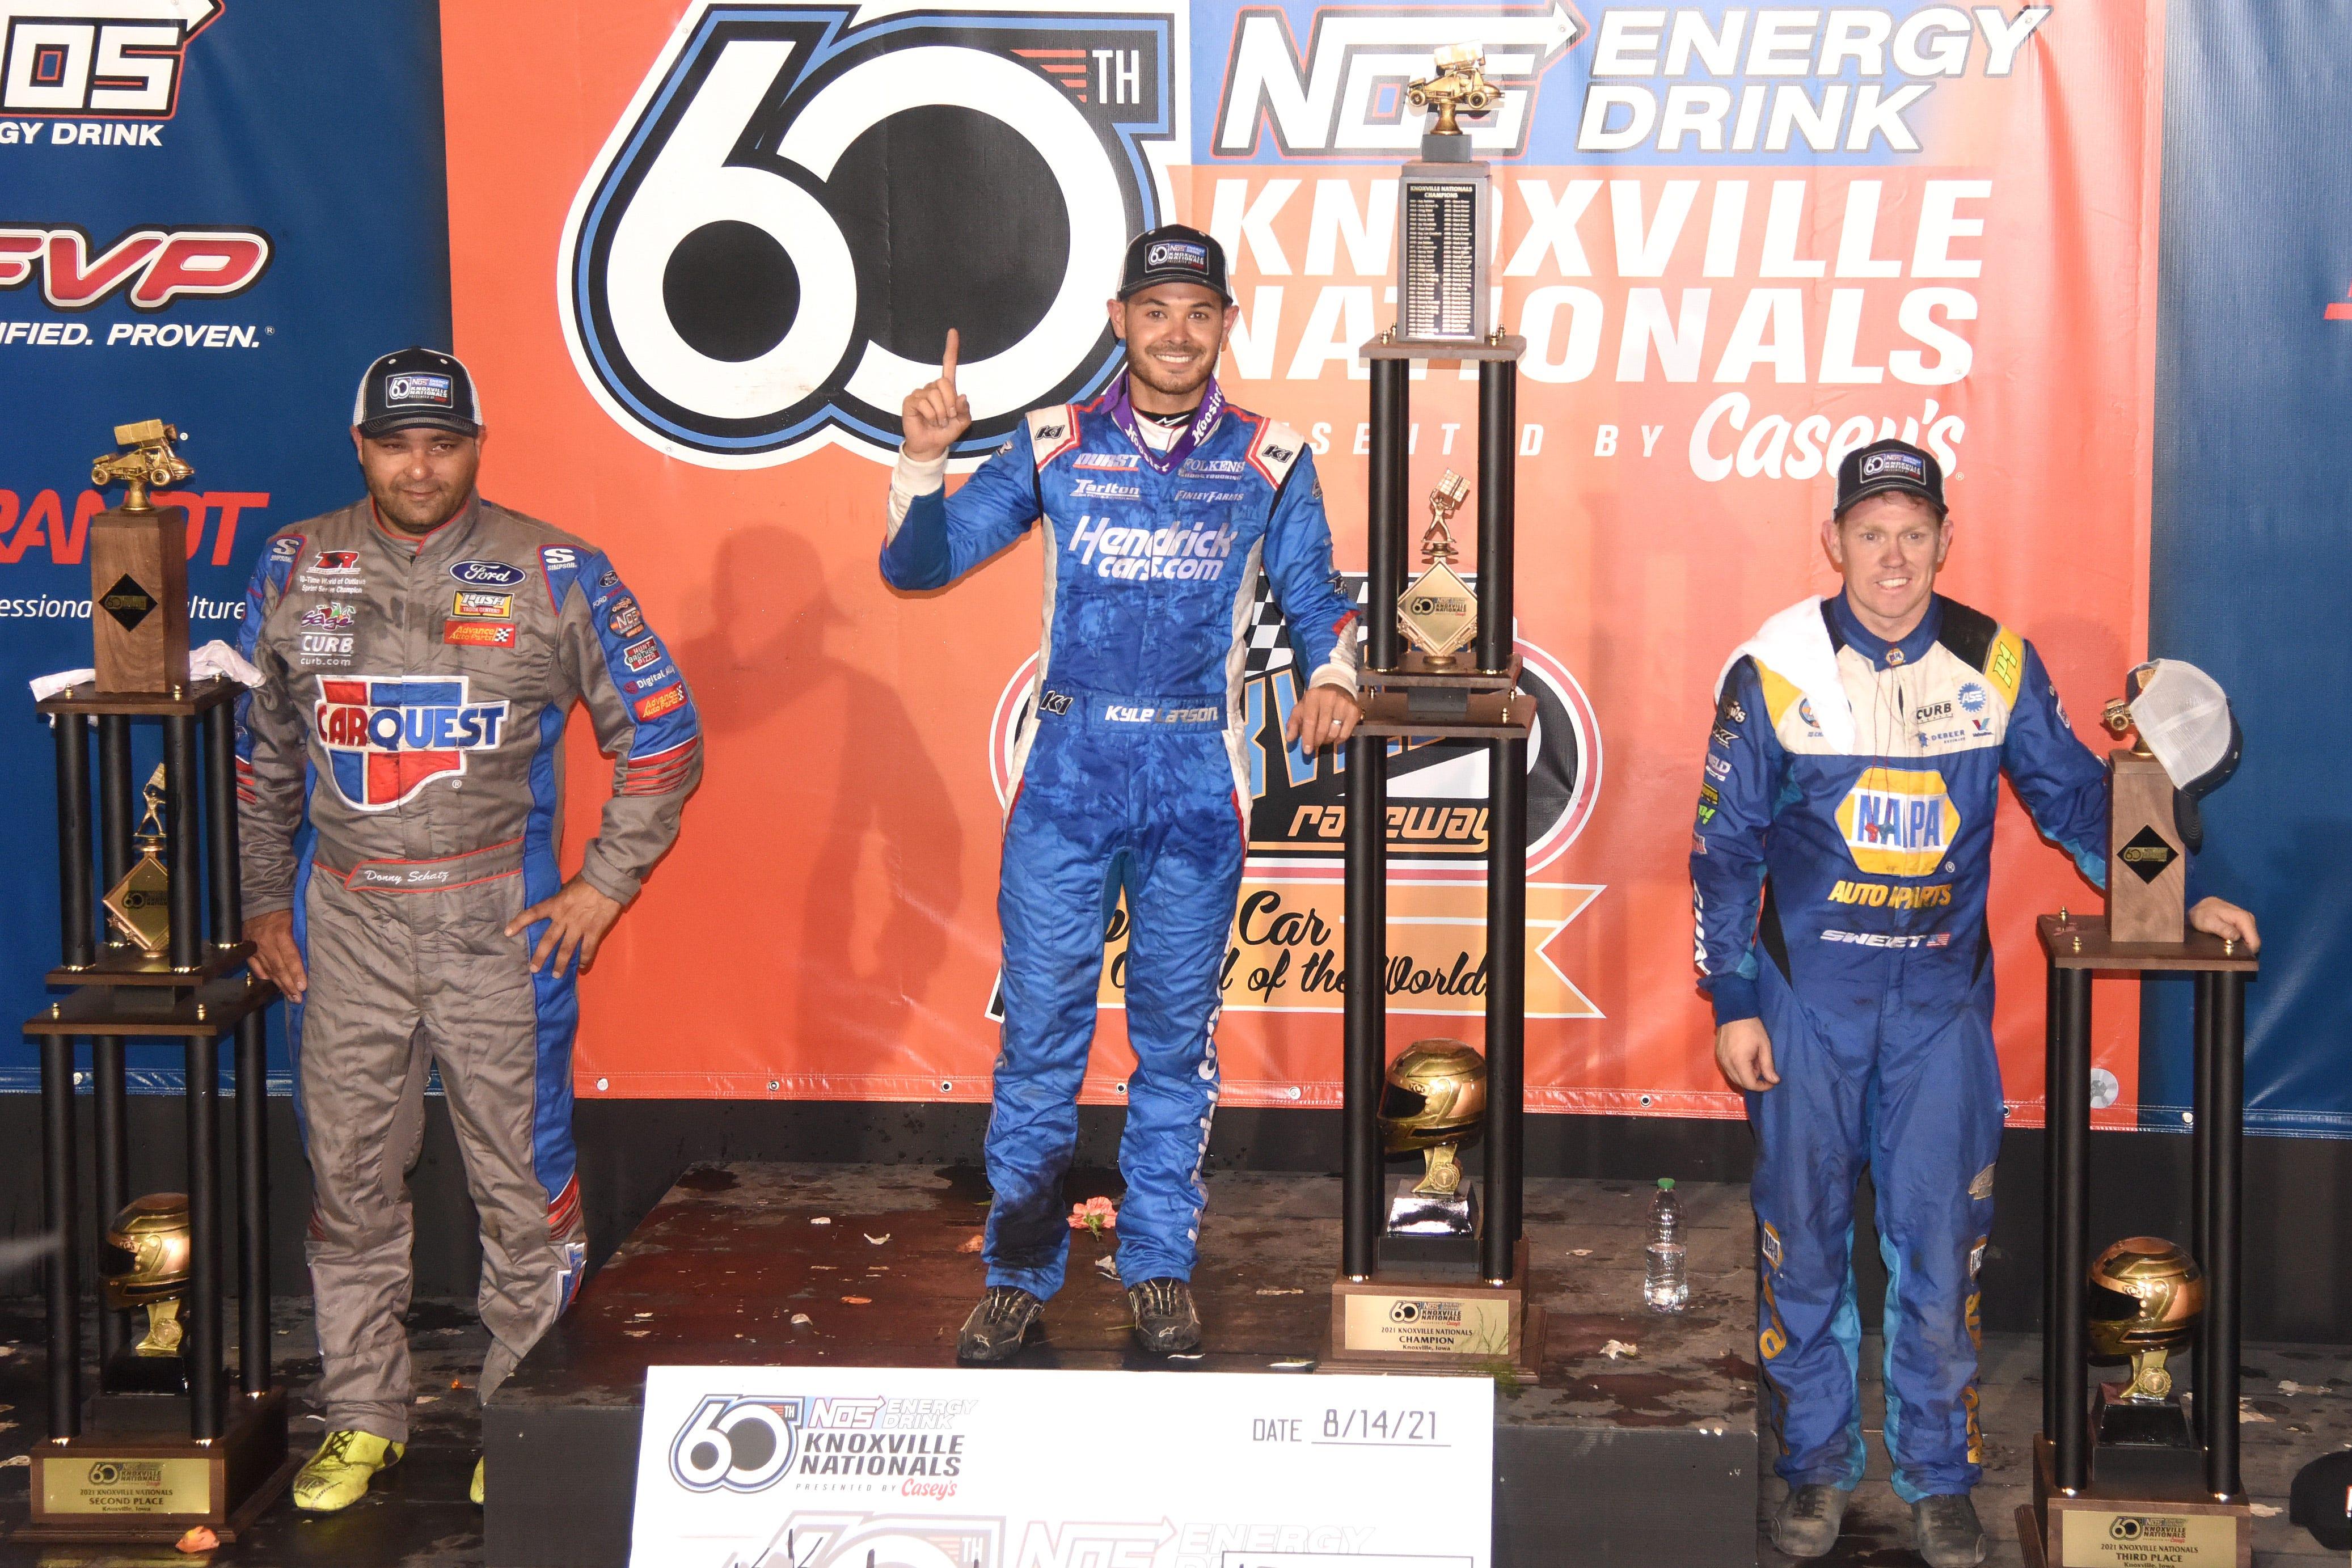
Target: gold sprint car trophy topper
<point x="139" y="568"/>
<point x="1444" y="207"/>
<point x="1439" y="614"/>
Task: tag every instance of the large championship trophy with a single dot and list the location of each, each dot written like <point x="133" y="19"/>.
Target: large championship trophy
<point x="165" y="1442"/>
<point x="1432" y="1280"/>
<point x="2128" y="1475"/>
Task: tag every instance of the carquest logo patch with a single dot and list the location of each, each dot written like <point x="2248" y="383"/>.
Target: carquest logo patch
<point x="386" y="738"/>
<point x="1898" y="821"/>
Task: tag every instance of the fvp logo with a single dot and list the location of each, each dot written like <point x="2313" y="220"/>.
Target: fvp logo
<point x="1898" y="821"/>
<point x="1343" y="94"/>
<point x="386" y="739"/>
<point x="741" y="1445"/>
<point x="769" y="252"/>
<point x="111" y="57"/>
<point x="155" y="265"/>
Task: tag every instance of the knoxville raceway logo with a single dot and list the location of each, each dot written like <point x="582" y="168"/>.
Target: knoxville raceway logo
<point x="728" y="281"/>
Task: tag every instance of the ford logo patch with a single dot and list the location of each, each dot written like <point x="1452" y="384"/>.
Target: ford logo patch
<point x="486" y="573"/>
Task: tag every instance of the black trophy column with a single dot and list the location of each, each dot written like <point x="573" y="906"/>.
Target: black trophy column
<point x="1365" y="1068"/>
<point x="203" y="1341"/>
<point x="1384" y="543"/>
<point x="180" y="839"/>
<point x="107" y="1092"/>
<point x="2218" y="1393"/>
<point x="251" y="1063"/>
<point x="1506" y="945"/>
<point x="61" y="1274"/>
<point x="2069" y="1137"/>
<point x="1498" y="421"/>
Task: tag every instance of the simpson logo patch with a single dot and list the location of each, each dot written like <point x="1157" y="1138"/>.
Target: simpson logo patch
<point x="1898" y="821"/>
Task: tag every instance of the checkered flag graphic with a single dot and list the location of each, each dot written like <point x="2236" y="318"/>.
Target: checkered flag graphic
<point x="1267" y="635"/>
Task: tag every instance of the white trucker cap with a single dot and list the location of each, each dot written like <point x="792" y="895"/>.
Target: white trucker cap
<point x="2184" y="716"/>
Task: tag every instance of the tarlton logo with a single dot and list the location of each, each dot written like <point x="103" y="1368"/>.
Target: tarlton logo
<point x="1898" y="821"/>
<point x="149" y="267"/>
<point x="386" y="738"/>
<point x="118" y="58"/>
<point x="751" y="177"/>
<point x="1344" y="95"/>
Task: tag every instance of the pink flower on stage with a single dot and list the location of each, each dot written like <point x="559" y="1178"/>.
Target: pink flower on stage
<point x="1095" y="1215"/>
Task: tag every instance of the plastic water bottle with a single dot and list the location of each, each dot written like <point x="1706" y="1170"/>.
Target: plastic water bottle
<point x="1665" y="1285"/>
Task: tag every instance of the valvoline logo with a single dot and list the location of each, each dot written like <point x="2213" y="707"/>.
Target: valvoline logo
<point x="388" y="738"/>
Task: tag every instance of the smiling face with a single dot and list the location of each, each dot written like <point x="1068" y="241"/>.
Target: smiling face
<point x="419" y="476"/>
<point x="1174" y="332"/>
<point x="1889" y="547"/>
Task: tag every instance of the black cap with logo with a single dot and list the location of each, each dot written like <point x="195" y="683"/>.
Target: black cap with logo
<point x="416" y="386"/>
<point x="1884" y="466"/>
<point x="1174" y="253"/>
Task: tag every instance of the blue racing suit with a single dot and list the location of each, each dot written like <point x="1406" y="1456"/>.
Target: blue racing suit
<point x="1840" y="893"/>
<point x="1129" y="773"/>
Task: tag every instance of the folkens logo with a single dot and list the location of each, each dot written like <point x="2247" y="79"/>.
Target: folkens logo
<point x="386" y="738"/>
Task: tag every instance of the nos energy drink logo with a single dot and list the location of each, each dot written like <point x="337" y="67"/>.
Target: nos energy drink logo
<point x="389" y="738"/>
<point x="1898" y="822"/>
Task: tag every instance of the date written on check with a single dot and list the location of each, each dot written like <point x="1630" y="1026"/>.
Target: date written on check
<point x="1364" y="1427"/>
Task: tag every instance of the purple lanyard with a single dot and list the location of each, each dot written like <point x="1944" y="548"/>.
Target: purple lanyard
<point x="1121" y="409"/>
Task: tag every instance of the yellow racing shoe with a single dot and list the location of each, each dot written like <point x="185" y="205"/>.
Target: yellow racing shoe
<point x="474" y="1491"/>
<point x="337" y="1475"/>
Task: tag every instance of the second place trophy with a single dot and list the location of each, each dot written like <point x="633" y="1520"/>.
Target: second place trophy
<point x="1434" y="1275"/>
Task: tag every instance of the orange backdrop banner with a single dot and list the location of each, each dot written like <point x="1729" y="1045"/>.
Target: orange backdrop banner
<point x="701" y="250"/>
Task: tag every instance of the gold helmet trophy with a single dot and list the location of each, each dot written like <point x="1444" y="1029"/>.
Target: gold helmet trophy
<point x="1434" y="1103"/>
<point x="2147" y="1297"/>
<point x="145" y="1263"/>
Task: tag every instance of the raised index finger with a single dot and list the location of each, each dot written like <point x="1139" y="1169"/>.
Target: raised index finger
<point x="947" y="366"/>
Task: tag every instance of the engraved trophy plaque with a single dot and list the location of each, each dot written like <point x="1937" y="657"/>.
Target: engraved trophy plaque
<point x="139" y="568"/>
<point x="1444" y="209"/>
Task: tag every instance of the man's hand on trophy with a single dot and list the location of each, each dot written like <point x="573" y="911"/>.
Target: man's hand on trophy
<point x="274" y="957"/>
<point x="1743" y="1053"/>
<point x="578" y="917"/>
<point x="2219" y="917"/>
<point x="1324" y="717"/>
<point x="935" y="414"/>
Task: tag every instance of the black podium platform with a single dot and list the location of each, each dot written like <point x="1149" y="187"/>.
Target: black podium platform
<point x="1643" y="1460"/>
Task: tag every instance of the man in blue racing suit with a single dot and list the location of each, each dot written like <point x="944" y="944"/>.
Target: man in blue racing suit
<point x="1839" y="871"/>
<point x="1161" y="505"/>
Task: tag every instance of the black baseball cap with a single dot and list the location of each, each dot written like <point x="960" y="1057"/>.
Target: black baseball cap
<point x="416" y="386"/>
<point x="1174" y="253"/>
<point x="1884" y="466"/>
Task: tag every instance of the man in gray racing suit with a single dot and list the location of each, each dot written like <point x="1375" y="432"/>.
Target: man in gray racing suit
<point x="398" y="777"/>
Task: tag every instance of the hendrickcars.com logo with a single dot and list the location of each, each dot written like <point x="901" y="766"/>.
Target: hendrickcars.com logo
<point x="117" y="59"/>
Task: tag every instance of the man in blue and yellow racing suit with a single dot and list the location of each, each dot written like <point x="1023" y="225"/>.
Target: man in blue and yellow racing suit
<point x="1161" y="505"/>
<point x="1839" y="873"/>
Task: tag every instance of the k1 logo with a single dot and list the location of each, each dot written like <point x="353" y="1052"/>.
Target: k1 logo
<point x="769" y="252"/>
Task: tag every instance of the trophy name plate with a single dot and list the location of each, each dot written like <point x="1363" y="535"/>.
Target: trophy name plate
<point x="2147" y="874"/>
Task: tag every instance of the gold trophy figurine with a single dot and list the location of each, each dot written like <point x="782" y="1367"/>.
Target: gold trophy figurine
<point x="1460" y="87"/>
<point x="150" y="464"/>
<point x="1439" y="614"/>
<point x="140" y="905"/>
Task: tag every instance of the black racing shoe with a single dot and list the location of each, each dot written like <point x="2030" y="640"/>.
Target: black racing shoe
<point x="1165" y="1321"/>
<point x="999" y="1325"/>
<point x="1944" y="1531"/>
<point x="1806" y="1522"/>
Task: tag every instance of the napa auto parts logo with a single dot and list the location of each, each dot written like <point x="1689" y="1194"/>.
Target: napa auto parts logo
<point x="1344" y="94"/>
<point x="117" y="60"/>
<point x="730" y="275"/>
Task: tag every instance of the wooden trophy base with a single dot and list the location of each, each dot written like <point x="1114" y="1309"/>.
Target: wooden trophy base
<point x="150" y="1488"/>
<point x="1390" y="1324"/>
<point x="2101" y="1528"/>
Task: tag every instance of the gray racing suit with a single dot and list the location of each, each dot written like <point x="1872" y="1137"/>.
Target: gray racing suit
<point x="399" y="777"/>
